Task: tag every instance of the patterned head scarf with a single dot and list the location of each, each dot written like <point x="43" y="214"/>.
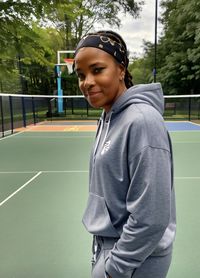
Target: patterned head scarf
<point x="113" y="44"/>
<point x="116" y="49"/>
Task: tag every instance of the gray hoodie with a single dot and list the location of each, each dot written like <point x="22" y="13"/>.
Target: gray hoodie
<point x="131" y="193"/>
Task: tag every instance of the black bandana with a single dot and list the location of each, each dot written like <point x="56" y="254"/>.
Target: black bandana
<point x="106" y="44"/>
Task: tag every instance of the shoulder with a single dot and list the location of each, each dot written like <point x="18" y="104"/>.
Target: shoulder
<point x="146" y="126"/>
<point x="141" y="116"/>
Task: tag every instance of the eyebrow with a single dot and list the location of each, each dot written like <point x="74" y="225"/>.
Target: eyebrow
<point x="91" y="66"/>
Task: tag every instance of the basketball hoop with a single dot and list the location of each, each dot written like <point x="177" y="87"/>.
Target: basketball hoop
<point x="69" y="62"/>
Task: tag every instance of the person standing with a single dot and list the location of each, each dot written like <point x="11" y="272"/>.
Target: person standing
<point x="131" y="205"/>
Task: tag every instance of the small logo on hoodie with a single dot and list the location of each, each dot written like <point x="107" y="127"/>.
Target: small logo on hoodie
<point x="106" y="147"/>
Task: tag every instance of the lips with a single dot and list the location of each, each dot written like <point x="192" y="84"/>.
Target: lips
<point x="92" y="94"/>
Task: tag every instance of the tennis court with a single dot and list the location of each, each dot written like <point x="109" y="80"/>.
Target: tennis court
<point x="44" y="186"/>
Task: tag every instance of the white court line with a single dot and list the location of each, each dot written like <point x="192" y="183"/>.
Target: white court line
<point x="45" y="171"/>
<point x="11" y="135"/>
<point x="57" y="137"/>
<point x="73" y="171"/>
<point x="18" y="172"/>
<point x="187" y="178"/>
<point x="70" y="171"/>
<point x="19" y="189"/>
<point x="184" y="131"/>
<point x="176" y="122"/>
<point x="186" y="142"/>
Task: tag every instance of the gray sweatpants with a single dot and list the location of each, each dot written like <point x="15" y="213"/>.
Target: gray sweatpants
<point x="153" y="266"/>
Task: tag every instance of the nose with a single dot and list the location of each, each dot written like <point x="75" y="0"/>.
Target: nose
<point x="89" y="81"/>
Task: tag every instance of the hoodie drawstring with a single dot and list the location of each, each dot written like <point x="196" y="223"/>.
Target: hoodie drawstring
<point x="99" y="132"/>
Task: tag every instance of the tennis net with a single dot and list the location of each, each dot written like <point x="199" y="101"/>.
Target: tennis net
<point x="21" y="110"/>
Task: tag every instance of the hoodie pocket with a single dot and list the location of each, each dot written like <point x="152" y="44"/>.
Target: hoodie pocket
<point x="97" y="219"/>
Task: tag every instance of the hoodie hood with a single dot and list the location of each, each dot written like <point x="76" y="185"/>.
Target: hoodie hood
<point x="150" y="94"/>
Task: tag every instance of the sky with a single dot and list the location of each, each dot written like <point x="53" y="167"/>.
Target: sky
<point x="134" y="31"/>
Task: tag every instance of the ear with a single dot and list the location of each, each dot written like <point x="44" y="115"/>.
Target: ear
<point x="122" y="72"/>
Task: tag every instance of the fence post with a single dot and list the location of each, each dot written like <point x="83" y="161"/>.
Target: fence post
<point x="23" y="112"/>
<point x="11" y="114"/>
<point x="87" y="108"/>
<point x="189" y="111"/>
<point x="72" y="103"/>
<point x="33" y="110"/>
<point x="2" y="116"/>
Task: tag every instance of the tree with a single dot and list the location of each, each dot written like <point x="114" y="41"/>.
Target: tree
<point x="20" y="43"/>
<point x="179" y="67"/>
<point x="142" y="68"/>
<point x="178" y="50"/>
<point x="33" y="31"/>
<point x="74" y="19"/>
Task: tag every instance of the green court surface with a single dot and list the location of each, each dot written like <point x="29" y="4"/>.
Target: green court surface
<point x="43" y="193"/>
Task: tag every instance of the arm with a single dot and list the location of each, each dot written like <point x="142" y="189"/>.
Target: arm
<point x="148" y="202"/>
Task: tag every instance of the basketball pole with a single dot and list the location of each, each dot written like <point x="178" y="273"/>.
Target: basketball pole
<point x="59" y="89"/>
<point x="59" y="81"/>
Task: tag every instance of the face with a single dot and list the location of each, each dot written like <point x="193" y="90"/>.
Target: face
<point x="101" y="78"/>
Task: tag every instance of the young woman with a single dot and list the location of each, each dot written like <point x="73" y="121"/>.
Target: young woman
<point x="131" y="204"/>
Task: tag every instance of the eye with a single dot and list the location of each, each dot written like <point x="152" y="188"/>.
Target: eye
<point x="98" y="70"/>
<point x="81" y="76"/>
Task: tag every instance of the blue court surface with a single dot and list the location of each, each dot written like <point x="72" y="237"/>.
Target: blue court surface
<point x="182" y="126"/>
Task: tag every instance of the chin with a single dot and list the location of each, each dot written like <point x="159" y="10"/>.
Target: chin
<point x="95" y="105"/>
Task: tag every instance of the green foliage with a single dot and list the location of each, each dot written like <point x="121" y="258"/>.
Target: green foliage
<point x="179" y="70"/>
<point x="21" y="44"/>
<point x="73" y="19"/>
<point x="178" y="50"/>
<point x="140" y="71"/>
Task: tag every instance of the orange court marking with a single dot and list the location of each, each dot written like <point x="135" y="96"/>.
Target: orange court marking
<point x="58" y="128"/>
